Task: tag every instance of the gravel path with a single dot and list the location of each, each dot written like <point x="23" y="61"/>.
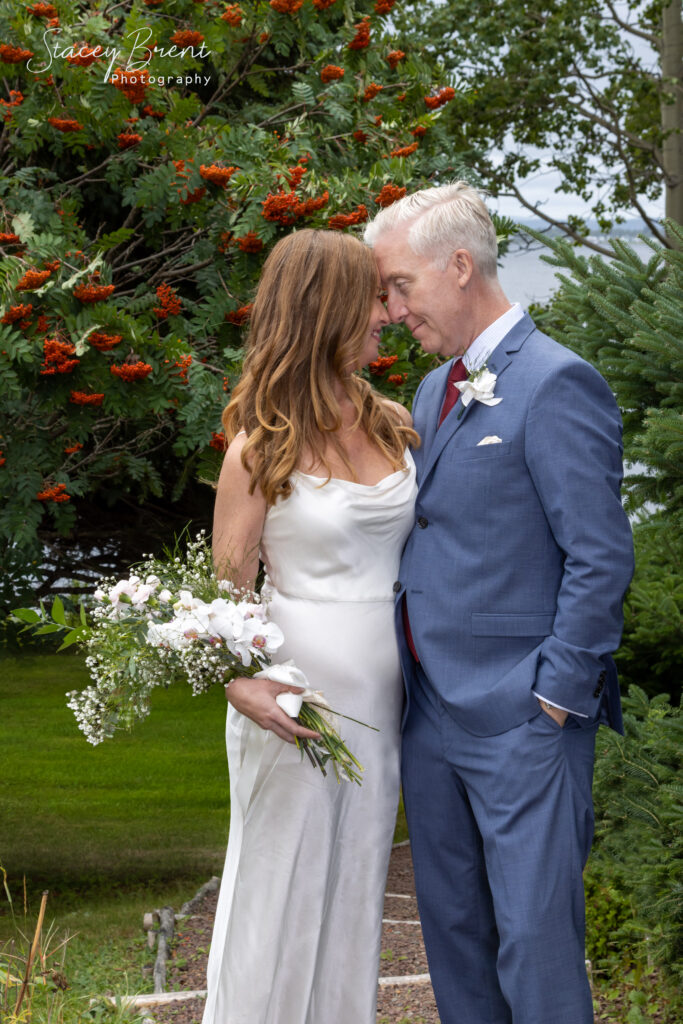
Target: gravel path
<point x="402" y="954"/>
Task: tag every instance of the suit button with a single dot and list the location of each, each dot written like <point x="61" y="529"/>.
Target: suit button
<point x="601" y="684"/>
<point x="397" y="586"/>
<point x="422" y="523"/>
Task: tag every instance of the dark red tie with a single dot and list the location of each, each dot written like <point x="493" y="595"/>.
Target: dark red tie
<point x="458" y="372"/>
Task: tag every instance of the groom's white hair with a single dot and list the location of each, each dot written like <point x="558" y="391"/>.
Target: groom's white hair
<point x="441" y="220"/>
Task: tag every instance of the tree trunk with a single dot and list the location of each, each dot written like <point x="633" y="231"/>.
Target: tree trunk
<point x="672" y="111"/>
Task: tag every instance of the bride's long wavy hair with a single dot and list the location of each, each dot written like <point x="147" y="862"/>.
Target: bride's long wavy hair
<point x="308" y="324"/>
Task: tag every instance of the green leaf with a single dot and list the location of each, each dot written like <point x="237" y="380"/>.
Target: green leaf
<point x="26" y="615"/>
<point x="57" y="611"/>
<point x="49" y="627"/>
<point x="73" y="637"/>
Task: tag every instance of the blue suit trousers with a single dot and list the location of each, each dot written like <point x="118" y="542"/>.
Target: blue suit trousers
<point x="501" y="828"/>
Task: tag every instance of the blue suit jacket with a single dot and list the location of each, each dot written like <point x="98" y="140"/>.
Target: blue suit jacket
<point x="517" y="565"/>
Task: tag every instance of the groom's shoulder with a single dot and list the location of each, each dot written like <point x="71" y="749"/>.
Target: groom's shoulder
<point x="545" y="355"/>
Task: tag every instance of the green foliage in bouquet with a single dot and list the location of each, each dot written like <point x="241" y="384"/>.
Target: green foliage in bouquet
<point x="153" y="151"/>
<point x="637" y="857"/>
<point x="625" y="315"/>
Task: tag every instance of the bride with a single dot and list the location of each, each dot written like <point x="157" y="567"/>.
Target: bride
<point x="318" y="480"/>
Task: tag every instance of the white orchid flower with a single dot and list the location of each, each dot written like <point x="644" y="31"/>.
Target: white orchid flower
<point x="141" y="595"/>
<point x="258" y="638"/>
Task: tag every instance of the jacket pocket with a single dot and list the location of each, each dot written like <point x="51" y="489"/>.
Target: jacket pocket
<point x="484" y="451"/>
<point x="532" y="624"/>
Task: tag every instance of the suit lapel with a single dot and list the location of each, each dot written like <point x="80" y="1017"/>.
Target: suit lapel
<point x="435" y="439"/>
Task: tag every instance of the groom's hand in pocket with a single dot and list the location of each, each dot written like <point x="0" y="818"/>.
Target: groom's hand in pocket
<point x="557" y="714"/>
<point x="255" y="698"/>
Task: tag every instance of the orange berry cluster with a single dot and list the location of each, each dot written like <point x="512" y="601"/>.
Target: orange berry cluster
<point x="331" y="72"/>
<point x="8" y="238"/>
<point x="405" y="150"/>
<point x="361" y="40"/>
<point x="371" y="91"/>
<point x="83" y="398"/>
<point x="384" y="6"/>
<point x="16" y="98"/>
<point x="397" y="379"/>
<point x="84" y="57"/>
<point x="93" y="292"/>
<point x="442" y="96"/>
<point x="43" y="10"/>
<point x="382" y="364"/>
<point x="360" y="136"/>
<point x="233" y="14"/>
<point x="131" y="371"/>
<point x="133" y="84"/>
<point x="346" y="220"/>
<point x="217" y="175"/>
<point x="183" y="365"/>
<point x="169" y="303"/>
<point x="32" y="279"/>
<point x="286" y="207"/>
<point x="65" y="124"/>
<point x="73" y="448"/>
<point x="57" y="357"/>
<point x="390" y="194"/>
<point x="218" y="441"/>
<point x="127" y="140"/>
<point x="250" y="242"/>
<point x="187" y="37"/>
<point x="15" y="313"/>
<point x="394" y="57"/>
<point x="14" y="54"/>
<point x="239" y="316"/>
<point x="104" y="342"/>
<point x="57" y="493"/>
<point x="322" y="5"/>
<point x="193" y="197"/>
<point x="286" y="6"/>
<point x="419" y="131"/>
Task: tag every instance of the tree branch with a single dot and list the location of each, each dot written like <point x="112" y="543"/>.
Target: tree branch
<point x="562" y="225"/>
<point x="653" y="40"/>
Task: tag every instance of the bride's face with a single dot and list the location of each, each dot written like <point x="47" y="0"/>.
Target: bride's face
<point x="379" y="318"/>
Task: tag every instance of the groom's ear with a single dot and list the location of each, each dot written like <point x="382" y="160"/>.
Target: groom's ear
<point x="461" y="266"/>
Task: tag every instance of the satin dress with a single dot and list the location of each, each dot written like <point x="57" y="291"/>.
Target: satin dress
<point x="298" y="925"/>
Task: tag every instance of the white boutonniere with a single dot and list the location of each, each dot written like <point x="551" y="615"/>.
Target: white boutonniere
<point x="479" y="387"/>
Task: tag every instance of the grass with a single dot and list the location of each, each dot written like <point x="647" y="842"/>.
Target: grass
<point x="111" y="831"/>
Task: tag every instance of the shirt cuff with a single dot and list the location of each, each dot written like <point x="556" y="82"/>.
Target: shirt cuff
<point x="559" y="707"/>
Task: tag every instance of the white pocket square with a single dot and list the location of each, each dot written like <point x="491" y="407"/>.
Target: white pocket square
<point x="491" y="439"/>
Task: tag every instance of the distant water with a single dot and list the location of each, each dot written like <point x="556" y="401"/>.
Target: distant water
<point x="526" y="278"/>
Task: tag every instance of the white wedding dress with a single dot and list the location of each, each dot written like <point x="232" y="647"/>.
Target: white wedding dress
<point x="297" y="933"/>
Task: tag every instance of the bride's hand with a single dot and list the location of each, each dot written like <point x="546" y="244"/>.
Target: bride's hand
<point x="255" y="698"/>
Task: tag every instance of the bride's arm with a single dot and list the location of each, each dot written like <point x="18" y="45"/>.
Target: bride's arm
<point x="238" y="519"/>
<point x="237" y="528"/>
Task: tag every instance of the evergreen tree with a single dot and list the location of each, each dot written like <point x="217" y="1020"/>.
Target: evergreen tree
<point x="625" y="315"/>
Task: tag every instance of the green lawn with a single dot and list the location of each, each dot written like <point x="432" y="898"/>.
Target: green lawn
<point x="111" y="831"/>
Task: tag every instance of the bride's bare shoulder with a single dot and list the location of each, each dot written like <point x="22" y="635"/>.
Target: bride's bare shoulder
<point x="400" y="411"/>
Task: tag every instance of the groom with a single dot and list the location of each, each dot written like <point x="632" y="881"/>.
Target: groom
<point x="508" y="609"/>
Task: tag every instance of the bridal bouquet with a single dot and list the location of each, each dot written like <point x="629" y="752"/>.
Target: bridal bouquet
<point x="174" y="620"/>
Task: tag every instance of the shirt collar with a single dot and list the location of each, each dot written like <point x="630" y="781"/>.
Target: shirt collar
<point x="483" y="345"/>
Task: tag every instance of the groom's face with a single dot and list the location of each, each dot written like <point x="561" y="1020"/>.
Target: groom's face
<point x="428" y="300"/>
